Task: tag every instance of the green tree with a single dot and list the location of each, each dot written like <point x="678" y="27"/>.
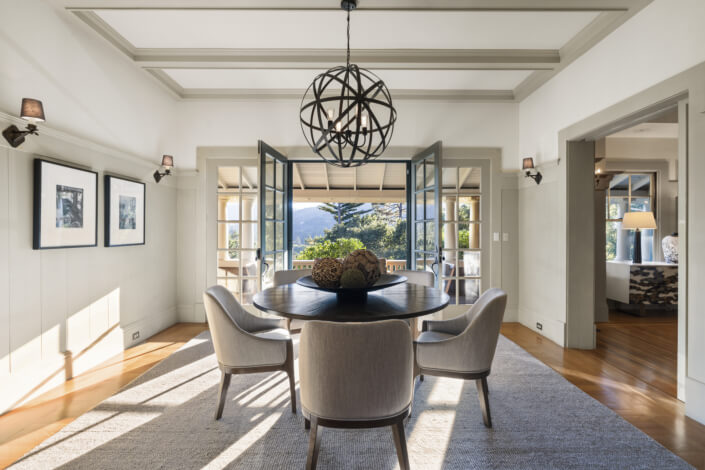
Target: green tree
<point x="343" y="212"/>
<point x="339" y="248"/>
<point x="390" y="211"/>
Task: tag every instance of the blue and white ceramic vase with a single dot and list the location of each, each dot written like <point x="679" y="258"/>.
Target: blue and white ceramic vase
<point x="670" y="248"/>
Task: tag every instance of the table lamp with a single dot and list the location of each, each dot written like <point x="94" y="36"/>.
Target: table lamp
<point x="638" y="221"/>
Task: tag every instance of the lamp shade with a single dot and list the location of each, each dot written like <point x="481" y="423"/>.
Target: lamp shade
<point x="528" y="163"/>
<point x="639" y="220"/>
<point x="167" y="161"/>
<point x="32" y="110"/>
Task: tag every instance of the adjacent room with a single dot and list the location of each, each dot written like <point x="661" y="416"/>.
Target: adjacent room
<point x="357" y="234"/>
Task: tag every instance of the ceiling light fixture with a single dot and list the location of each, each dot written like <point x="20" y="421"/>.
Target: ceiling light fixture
<point x="32" y="111"/>
<point x="347" y="114"/>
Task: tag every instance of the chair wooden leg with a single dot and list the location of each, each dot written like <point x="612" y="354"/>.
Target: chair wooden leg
<point x="484" y="395"/>
<point x="314" y="445"/>
<point x="400" y="444"/>
<point x="222" y="393"/>
<point x="290" y="373"/>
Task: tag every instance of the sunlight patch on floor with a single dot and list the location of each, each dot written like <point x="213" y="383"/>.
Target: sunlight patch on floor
<point x="238" y="447"/>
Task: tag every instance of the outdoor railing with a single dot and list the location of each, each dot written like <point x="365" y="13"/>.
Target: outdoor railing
<point x="392" y="264"/>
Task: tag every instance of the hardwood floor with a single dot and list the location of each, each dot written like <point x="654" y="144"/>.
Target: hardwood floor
<point x="25" y="427"/>
<point x="601" y="374"/>
<point x="645" y="347"/>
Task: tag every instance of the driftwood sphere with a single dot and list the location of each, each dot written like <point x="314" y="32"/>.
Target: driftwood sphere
<point x="366" y="262"/>
<point x="326" y="272"/>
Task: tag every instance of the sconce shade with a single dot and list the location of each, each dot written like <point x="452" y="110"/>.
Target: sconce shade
<point x="167" y="161"/>
<point x="32" y="110"/>
<point x="528" y="163"/>
<point x="639" y="220"/>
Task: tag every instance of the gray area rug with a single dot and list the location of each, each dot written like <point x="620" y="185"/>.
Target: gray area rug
<point x="165" y="420"/>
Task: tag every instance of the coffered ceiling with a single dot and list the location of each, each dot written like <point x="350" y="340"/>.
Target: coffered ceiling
<point x="490" y="50"/>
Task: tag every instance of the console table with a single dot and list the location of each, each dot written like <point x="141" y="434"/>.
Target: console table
<point x="642" y="284"/>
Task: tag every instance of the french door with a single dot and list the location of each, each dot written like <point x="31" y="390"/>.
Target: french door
<point x="275" y="213"/>
<point x="426" y="210"/>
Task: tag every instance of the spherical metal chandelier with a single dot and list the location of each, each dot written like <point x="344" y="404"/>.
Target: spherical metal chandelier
<point x="347" y="114"/>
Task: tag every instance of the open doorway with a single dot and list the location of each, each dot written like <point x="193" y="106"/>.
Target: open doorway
<point x="636" y="288"/>
<point x="337" y="210"/>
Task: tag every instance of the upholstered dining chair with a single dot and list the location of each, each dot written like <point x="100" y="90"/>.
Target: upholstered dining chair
<point x="289" y="277"/>
<point x="245" y="343"/>
<point x="464" y="346"/>
<point x="423" y="278"/>
<point x="355" y="375"/>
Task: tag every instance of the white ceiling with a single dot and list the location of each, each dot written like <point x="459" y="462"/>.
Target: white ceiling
<point x="422" y="49"/>
<point x="326" y="29"/>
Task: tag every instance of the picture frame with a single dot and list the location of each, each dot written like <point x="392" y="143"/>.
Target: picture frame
<point x="65" y="206"/>
<point x="125" y="208"/>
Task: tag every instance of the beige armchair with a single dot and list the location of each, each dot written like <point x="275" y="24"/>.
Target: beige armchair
<point x="245" y="343"/>
<point x="355" y="375"/>
<point x="423" y="278"/>
<point x="289" y="277"/>
<point x="464" y="347"/>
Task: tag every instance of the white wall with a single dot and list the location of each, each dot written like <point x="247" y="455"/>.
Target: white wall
<point x="420" y="123"/>
<point x="63" y="311"/>
<point x="661" y="41"/>
<point x="88" y="88"/>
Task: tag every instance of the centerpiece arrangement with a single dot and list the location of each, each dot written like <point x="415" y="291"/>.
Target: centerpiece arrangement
<point x="352" y="278"/>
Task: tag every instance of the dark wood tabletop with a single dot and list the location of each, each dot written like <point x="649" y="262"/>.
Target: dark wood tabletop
<point x="302" y="303"/>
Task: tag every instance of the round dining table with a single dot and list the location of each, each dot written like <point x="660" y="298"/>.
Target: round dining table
<point x="402" y="301"/>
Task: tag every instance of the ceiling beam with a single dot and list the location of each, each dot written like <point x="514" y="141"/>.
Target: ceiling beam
<point x="384" y="170"/>
<point x="245" y="179"/>
<point x="354" y="178"/>
<point x="464" y="178"/>
<point x="377" y="5"/>
<point x="325" y="169"/>
<point x="346" y="195"/>
<point x="296" y="94"/>
<point x="379" y="59"/>
<point x="297" y="172"/>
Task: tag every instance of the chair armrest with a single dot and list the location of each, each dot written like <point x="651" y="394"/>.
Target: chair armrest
<point x="454" y="326"/>
<point x="255" y="323"/>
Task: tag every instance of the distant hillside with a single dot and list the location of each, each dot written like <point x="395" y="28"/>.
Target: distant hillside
<point x="309" y="222"/>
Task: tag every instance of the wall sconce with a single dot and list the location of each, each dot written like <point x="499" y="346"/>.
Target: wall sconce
<point x="167" y="164"/>
<point x="32" y="111"/>
<point x="528" y="165"/>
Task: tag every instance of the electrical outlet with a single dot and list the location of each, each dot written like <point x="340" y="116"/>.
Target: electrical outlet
<point x="135" y="335"/>
<point x="539" y="326"/>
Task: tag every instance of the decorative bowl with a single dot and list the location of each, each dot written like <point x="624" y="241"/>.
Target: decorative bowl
<point x="343" y="293"/>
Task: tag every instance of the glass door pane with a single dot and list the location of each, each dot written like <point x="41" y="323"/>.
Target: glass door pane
<point x="462" y="231"/>
<point x="275" y="202"/>
<point x="426" y="210"/>
<point x="237" y="239"/>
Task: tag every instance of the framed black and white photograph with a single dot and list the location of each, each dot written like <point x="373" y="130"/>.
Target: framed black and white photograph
<point x="65" y="206"/>
<point x="124" y="212"/>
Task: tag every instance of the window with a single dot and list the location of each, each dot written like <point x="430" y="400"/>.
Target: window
<point x="628" y="192"/>
<point x="238" y="231"/>
<point x="460" y="235"/>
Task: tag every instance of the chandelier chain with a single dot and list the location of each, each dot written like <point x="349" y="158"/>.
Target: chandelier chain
<point x="348" y="55"/>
